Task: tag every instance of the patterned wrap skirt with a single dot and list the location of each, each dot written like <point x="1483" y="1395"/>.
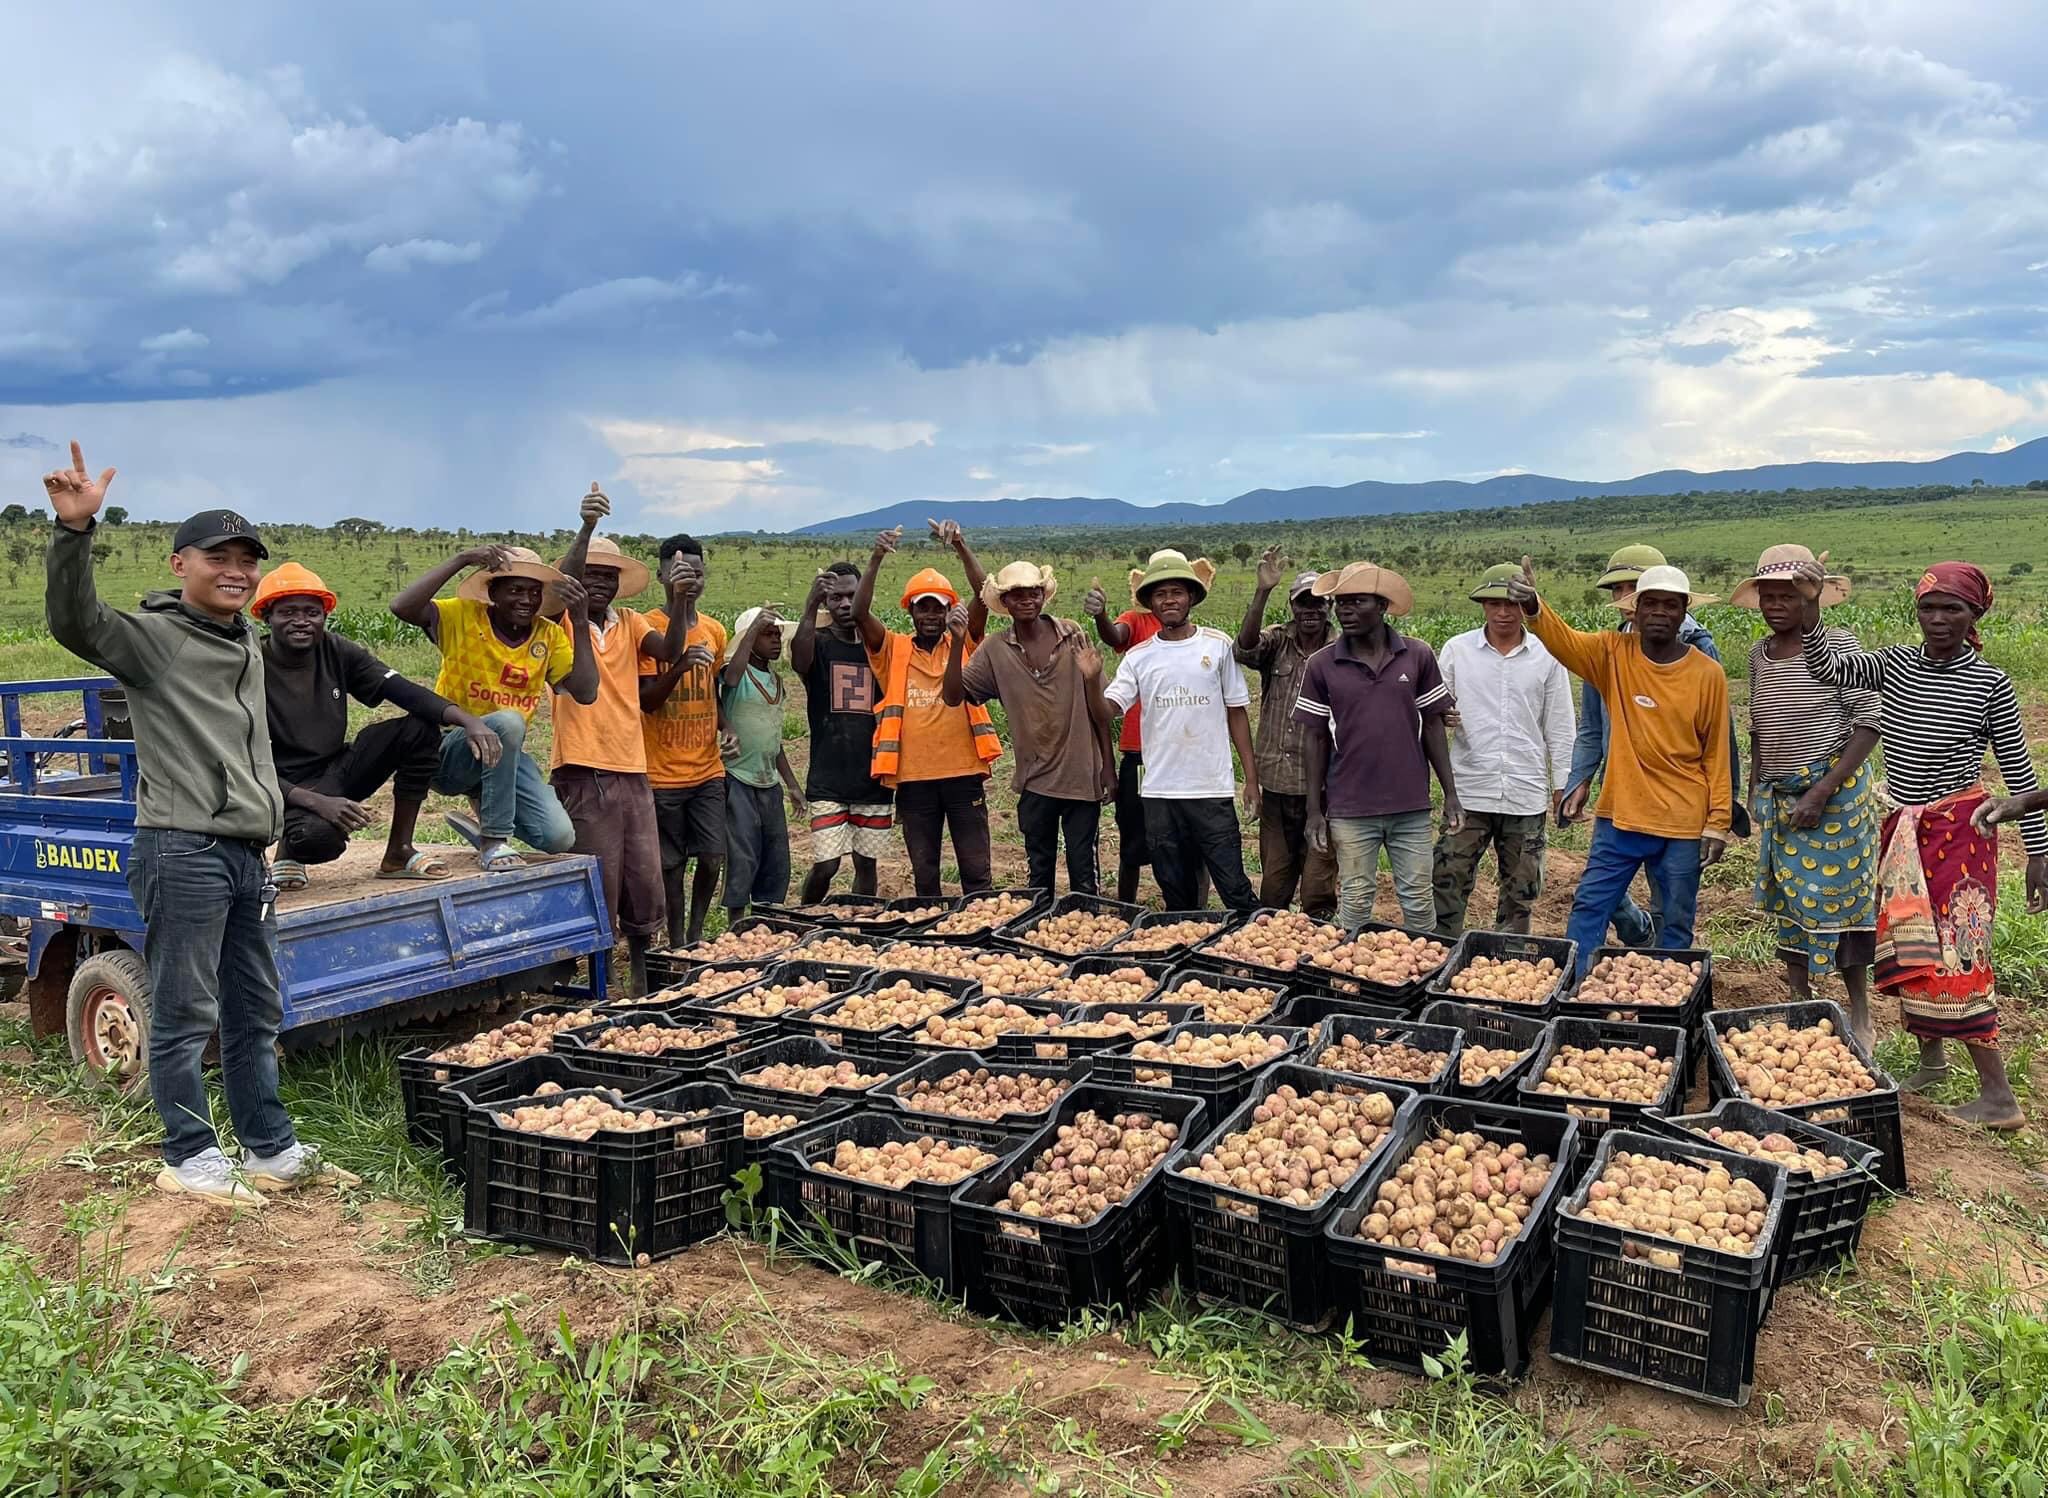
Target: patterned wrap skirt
<point x="1937" y="900"/>
<point x="1820" y="882"/>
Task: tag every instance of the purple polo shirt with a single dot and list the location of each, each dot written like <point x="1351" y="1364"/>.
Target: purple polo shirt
<point x="1377" y="767"/>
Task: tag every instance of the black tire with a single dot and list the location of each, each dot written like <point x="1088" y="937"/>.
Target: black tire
<point x="106" y="1016"/>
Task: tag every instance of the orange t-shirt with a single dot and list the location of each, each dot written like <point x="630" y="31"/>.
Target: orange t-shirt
<point x="1143" y="625"/>
<point x="606" y="734"/>
<point x="681" y="736"/>
<point x="938" y="741"/>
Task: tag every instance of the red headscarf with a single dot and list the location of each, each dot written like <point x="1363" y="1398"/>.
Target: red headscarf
<point x="1960" y="580"/>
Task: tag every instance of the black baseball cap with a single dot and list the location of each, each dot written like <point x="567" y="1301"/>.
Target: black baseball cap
<point x="212" y="527"/>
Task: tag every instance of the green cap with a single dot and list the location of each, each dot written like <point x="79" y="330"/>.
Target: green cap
<point x="1630" y="563"/>
<point x="1493" y="582"/>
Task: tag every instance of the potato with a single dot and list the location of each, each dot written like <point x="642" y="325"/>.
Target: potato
<point x="1395" y="1060"/>
<point x="656" y="1040"/>
<point x="1637" y="978"/>
<point x="1478" y="1063"/>
<point x="1300" y="1146"/>
<point x="1005" y="973"/>
<point x="1077" y="931"/>
<point x="1620" y="1074"/>
<point x="901" y="917"/>
<point x="710" y="983"/>
<point x="1779" y="1150"/>
<point x="582" y="1117"/>
<point x="1127" y="985"/>
<point x="1391" y="957"/>
<point x="1245" y="1048"/>
<point x="1165" y="936"/>
<point x="839" y="949"/>
<point x="1775" y="1063"/>
<point x="777" y="999"/>
<point x="736" y="946"/>
<point x="811" y="1081"/>
<point x="1278" y="939"/>
<point x="902" y="1003"/>
<point x="1668" y="1199"/>
<point x="1092" y="1164"/>
<point x="978" y="1026"/>
<point x="761" y="1125"/>
<point x="984" y="914"/>
<point x="898" y="1163"/>
<point x="981" y="1093"/>
<point x="1227" y="1006"/>
<point x="1511" y="980"/>
<point x="1478" y="1193"/>
<point x="522" y="1037"/>
<point x="1146" y="1022"/>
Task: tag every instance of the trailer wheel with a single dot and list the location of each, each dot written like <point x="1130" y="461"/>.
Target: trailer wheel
<point x="107" y="1015"/>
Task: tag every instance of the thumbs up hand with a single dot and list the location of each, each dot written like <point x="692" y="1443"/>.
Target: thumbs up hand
<point x="1523" y="589"/>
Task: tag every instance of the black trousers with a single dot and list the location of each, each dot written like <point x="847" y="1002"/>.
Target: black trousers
<point x="404" y="751"/>
<point x="927" y="809"/>
<point x="1042" y="819"/>
<point x="1188" y="837"/>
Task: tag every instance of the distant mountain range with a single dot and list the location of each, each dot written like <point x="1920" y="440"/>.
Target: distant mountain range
<point x="1371" y="497"/>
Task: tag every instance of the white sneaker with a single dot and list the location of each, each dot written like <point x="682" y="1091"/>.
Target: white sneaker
<point x="295" y="1165"/>
<point x="208" y="1176"/>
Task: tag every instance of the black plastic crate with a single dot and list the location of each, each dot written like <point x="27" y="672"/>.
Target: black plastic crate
<point x="1690" y="1329"/>
<point x="1312" y="1008"/>
<point x="1406" y="1305"/>
<point x="420" y="1077"/>
<point x="1402" y="995"/>
<point x="758" y="1150"/>
<point x="1205" y="956"/>
<point x="836" y="978"/>
<point x="696" y="1047"/>
<point x="667" y="968"/>
<point x="520" y="1078"/>
<point x="609" y="1198"/>
<point x="908" y="1227"/>
<point x="1044" y="1273"/>
<point x="1221" y="1087"/>
<point x="1218" y="922"/>
<point x="1064" y="1045"/>
<point x="906" y="1048"/>
<point x="799" y="1050"/>
<point x="1688" y="1015"/>
<point x="838" y="939"/>
<point x="1507" y="946"/>
<point x="892" y="917"/>
<point x="1157" y="969"/>
<point x="1497" y="1031"/>
<point x="1226" y="983"/>
<point x="1599" y="1115"/>
<point x="915" y="957"/>
<point x="1441" y="1040"/>
<point x="1022" y="931"/>
<point x="711" y="975"/>
<point x="1254" y="1251"/>
<point x="698" y="952"/>
<point x="1823" y="1218"/>
<point x="828" y="911"/>
<point x="981" y="935"/>
<point x="946" y="1063"/>
<point x="823" y="1024"/>
<point x="1872" y="1118"/>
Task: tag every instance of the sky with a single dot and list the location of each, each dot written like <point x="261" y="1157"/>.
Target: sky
<point x="751" y="266"/>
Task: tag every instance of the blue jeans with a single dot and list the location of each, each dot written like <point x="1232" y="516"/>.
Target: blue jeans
<point x="211" y="945"/>
<point x="756" y="846"/>
<point x="517" y="800"/>
<point x="1673" y="867"/>
<point x="1356" y="841"/>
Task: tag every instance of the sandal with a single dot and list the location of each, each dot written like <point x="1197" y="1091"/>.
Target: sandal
<point x="421" y="866"/>
<point x="498" y="858"/>
<point x="288" y="874"/>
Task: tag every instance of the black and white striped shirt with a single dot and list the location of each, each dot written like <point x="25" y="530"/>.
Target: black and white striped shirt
<point x="1939" y="716"/>
<point x="1798" y="720"/>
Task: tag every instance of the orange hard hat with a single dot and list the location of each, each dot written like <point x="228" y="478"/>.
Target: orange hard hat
<point x="929" y="581"/>
<point x="291" y="580"/>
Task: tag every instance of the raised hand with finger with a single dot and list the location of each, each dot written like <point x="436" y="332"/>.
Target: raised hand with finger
<point x="1095" y="602"/>
<point x="1272" y="568"/>
<point x="956" y="621"/>
<point x="1522" y="589"/>
<point x="594" y="507"/>
<point x="75" y="496"/>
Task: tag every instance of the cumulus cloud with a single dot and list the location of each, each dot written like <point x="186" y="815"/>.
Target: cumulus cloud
<point x="396" y="259"/>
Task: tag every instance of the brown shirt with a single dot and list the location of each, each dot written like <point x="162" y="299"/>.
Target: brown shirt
<point x="1282" y="744"/>
<point x="1051" y="733"/>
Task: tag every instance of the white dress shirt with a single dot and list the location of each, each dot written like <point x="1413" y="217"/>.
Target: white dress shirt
<point x="1516" y="720"/>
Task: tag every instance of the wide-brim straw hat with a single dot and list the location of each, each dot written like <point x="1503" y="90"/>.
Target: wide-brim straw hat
<point x="1787" y="564"/>
<point x="519" y="562"/>
<point x="1368" y="577"/>
<point x="1664" y="579"/>
<point x="634" y="575"/>
<point x="1171" y="566"/>
<point x="1628" y="564"/>
<point x="1017" y="575"/>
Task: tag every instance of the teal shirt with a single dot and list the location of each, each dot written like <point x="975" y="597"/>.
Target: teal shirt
<point x="753" y="711"/>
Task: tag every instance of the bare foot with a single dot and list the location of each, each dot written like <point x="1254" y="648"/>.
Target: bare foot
<point x="1926" y="1077"/>
<point x="1866" y="1036"/>
<point x="2003" y="1116"/>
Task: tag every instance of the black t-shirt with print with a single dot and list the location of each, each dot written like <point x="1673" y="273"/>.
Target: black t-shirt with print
<point x="840" y="697"/>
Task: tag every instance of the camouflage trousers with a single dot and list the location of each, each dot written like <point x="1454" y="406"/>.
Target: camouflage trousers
<point x="1518" y="844"/>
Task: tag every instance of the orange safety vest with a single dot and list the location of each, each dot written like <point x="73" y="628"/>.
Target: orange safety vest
<point x="889" y="716"/>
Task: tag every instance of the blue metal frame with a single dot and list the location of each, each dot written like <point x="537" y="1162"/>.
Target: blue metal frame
<point x="64" y="864"/>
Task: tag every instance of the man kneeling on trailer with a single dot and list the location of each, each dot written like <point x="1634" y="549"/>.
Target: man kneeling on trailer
<point x="206" y="807"/>
<point x="309" y="677"/>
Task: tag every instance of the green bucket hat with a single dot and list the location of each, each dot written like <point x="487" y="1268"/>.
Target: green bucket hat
<point x="1630" y="563"/>
<point x="1172" y="567"/>
<point x="1493" y="582"/>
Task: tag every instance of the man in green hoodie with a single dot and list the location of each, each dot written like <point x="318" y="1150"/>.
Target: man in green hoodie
<point x="206" y="808"/>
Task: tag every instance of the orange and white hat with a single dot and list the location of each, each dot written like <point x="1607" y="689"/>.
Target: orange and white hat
<point x="930" y="583"/>
<point x="291" y="581"/>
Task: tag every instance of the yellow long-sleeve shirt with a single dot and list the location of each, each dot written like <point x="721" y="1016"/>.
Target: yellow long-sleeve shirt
<point x="1667" y="757"/>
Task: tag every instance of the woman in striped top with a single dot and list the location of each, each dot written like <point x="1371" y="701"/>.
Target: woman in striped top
<point x="1816" y="818"/>
<point x="1938" y="873"/>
